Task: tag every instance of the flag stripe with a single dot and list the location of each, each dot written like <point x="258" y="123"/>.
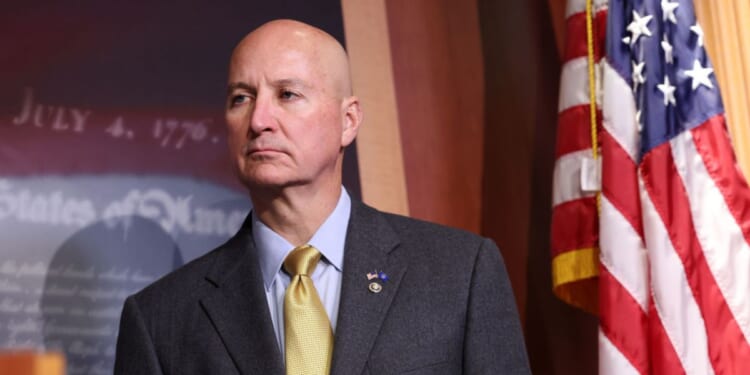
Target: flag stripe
<point x="572" y="93"/>
<point x="575" y="122"/>
<point x="664" y="359"/>
<point x="567" y="177"/>
<point x="666" y="191"/>
<point x="579" y="6"/>
<point x="576" y="225"/>
<point x="611" y="360"/>
<point x="618" y="109"/>
<point x="623" y="254"/>
<point x="623" y="321"/>
<point x="576" y="45"/>
<point x="620" y="181"/>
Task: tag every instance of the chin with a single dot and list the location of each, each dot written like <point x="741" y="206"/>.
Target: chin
<point x="262" y="174"/>
<point x="265" y="180"/>
<point x="256" y="181"/>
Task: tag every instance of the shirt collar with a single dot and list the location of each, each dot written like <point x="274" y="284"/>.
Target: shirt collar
<point x="328" y="239"/>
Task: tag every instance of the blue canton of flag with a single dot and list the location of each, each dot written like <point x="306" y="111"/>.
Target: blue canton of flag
<point x="658" y="47"/>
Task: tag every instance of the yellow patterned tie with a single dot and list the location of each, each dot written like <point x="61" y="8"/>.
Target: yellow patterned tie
<point x="307" y="331"/>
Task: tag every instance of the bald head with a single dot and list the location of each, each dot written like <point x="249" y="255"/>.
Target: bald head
<point x="281" y="39"/>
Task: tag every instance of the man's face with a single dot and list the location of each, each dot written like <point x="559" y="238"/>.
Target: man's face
<point x="286" y="120"/>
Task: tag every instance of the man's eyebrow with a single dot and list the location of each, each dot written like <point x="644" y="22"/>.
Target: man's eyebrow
<point x="284" y="82"/>
<point x="238" y="85"/>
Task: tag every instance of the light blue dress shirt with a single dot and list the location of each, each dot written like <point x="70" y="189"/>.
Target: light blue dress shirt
<point x="273" y="249"/>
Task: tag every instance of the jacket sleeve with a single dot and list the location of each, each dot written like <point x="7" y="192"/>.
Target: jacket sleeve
<point x="494" y="341"/>
<point x="136" y="354"/>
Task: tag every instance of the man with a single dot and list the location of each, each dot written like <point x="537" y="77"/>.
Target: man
<point x="390" y="295"/>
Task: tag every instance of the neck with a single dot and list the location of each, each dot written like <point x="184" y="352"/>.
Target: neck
<point x="295" y="213"/>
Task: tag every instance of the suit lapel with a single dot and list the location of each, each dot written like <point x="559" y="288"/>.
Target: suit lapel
<point x="237" y="308"/>
<point x="369" y="243"/>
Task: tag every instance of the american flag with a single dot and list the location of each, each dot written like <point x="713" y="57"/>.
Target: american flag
<point x="673" y="210"/>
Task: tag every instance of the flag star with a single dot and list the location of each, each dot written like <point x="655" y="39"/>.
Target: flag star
<point x="699" y="32"/>
<point x="699" y="74"/>
<point x="667" y="10"/>
<point x="667" y="50"/>
<point x="638" y="78"/>
<point x="639" y="26"/>
<point x="668" y="90"/>
<point x="626" y="40"/>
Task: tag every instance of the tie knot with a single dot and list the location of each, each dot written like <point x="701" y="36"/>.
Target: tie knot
<point x="302" y="260"/>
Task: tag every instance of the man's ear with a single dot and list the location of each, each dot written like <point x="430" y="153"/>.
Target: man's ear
<point x="352" y="119"/>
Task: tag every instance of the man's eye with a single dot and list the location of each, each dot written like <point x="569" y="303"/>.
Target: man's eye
<point x="286" y="95"/>
<point x="238" y="99"/>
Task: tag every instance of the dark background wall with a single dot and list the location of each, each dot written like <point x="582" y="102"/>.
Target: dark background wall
<point x="476" y="87"/>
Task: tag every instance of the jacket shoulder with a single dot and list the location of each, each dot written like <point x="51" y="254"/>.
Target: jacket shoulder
<point x="411" y="229"/>
<point x="425" y="242"/>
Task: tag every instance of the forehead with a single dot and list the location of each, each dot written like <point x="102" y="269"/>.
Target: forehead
<point x="275" y="60"/>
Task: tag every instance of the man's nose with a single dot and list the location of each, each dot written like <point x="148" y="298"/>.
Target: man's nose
<point x="262" y="117"/>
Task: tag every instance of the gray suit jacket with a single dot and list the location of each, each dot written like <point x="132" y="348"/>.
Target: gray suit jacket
<point x="447" y="308"/>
